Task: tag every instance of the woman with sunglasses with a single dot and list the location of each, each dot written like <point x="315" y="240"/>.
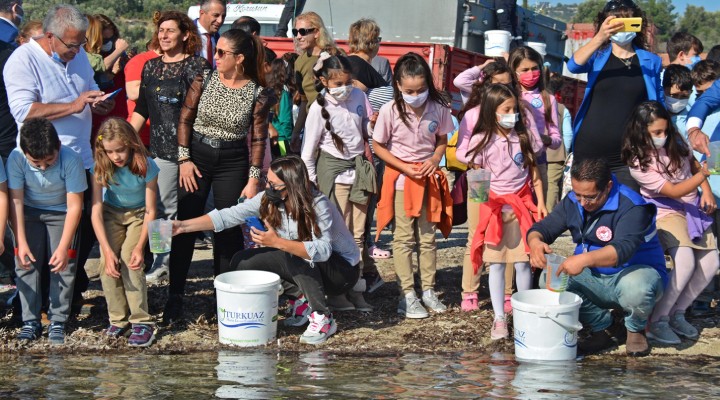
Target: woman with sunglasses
<point x="163" y="86"/>
<point x="304" y="240"/>
<point x="223" y="111"/>
<point x="311" y="38"/>
<point x="621" y="74"/>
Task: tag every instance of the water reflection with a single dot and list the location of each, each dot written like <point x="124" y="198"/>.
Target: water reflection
<point x="261" y="375"/>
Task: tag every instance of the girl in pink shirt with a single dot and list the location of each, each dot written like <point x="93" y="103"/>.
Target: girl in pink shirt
<point x="410" y="136"/>
<point x="495" y="138"/>
<point x="333" y="151"/>
<point x="527" y="64"/>
<point x="669" y="176"/>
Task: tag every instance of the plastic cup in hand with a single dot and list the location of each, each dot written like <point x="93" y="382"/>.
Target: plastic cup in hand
<point x="553" y="282"/>
<point x="478" y="181"/>
<point x="713" y="162"/>
<point x="160" y="233"/>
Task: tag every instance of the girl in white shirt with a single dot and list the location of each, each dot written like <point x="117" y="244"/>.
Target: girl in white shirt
<point x="333" y="150"/>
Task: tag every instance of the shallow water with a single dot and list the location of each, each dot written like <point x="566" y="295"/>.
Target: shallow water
<point x="261" y="375"/>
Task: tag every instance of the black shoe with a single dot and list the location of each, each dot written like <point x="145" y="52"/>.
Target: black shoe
<point x="597" y="342"/>
<point x="173" y="311"/>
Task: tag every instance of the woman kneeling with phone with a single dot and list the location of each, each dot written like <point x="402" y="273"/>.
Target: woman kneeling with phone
<point x="304" y="241"/>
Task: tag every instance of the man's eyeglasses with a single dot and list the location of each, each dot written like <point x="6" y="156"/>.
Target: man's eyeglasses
<point x="588" y="199"/>
<point x="168" y="100"/>
<point x="303" y="31"/>
<point x="270" y="184"/>
<point x="221" y="53"/>
<point x="616" y="4"/>
<point x="71" y="46"/>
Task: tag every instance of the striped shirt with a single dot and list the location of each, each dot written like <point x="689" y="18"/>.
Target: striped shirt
<point x="334" y="234"/>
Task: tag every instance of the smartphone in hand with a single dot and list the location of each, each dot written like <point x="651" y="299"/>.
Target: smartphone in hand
<point x="110" y="95"/>
<point x="254" y="222"/>
<point x="633" y="24"/>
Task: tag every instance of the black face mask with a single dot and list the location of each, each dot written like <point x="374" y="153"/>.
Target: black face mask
<point x="274" y="195"/>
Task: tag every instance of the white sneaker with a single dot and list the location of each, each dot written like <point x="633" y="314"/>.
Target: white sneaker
<point x="432" y="302"/>
<point x="320" y="329"/>
<point x="411" y="307"/>
<point x="299" y="312"/>
<point x="499" y="329"/>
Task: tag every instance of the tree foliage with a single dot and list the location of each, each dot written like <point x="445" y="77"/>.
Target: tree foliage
<point x="703" y="24"/>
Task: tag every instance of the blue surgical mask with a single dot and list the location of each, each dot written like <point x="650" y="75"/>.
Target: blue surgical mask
<point x="623" y="38"/>
<point x="693" y="60"/>
<point x="55" y="56"/>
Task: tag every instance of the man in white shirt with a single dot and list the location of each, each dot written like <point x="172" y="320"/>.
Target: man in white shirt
<point x="52" y="78"/>
<point x="212" y="17"/>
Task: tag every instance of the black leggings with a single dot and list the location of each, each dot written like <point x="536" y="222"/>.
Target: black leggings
<point x="332" y="277"/>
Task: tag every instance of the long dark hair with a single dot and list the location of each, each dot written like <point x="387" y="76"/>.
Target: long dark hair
<point x="498" y="67"/>
<point x="487" y="124"/>
<point x="518" y="55"/>
<point x="411" y="65"/>
<point x="638" y="149"/>
<point x="300" y="201"/>
<point x="251" y="48"/>
<point x="329" y="67"/>
<point x="277" y="79"/>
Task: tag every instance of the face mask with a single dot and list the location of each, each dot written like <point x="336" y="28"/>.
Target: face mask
<point x="341" y="93"/>
<point x="529" y="79"/>
<point x="107" y="46"/>
<point x="508" y="121"/>
<point x="693" y="60"/>
<point x="622" y="38"/>
<point x="659" y="142"/>
<point x="275" y="196"/>
<point x="416" y="101"/>
<point x="674" y="105"/>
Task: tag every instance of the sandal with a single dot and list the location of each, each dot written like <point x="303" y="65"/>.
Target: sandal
<point x="378" y="253"/>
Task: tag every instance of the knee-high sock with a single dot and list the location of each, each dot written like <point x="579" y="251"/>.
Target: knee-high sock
<point x="496" y="281"/>
<point x="706" y="265"/>
<point x="523" y="276"/>
<point x="684" y="260"/>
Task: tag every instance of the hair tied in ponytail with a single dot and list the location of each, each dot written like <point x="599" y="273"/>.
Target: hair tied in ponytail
<point x="319" y="63"/>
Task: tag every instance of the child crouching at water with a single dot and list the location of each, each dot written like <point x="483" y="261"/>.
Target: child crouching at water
<point x="495" y="138"/>
<point x="128" y="177"/>
<point x="669" y="177"/>
<point x="46" y="182"/>
<point x="410" y="136"/>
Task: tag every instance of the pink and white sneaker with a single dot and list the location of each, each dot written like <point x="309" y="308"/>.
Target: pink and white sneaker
<point x="320" y="329"/>
<point x="299" y="312"/>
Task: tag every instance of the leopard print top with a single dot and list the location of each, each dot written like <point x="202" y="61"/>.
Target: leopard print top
<point x="225" y="113"/>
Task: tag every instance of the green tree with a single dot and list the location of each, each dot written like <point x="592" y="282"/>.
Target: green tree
<point x="660" y="13"/>
<point x="588" y="10"/>
<point x="703" y="24"/>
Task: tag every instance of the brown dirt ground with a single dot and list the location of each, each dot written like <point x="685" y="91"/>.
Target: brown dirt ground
<point x="377" y="332"/>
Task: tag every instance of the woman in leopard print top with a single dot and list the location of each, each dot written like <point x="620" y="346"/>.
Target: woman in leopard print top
<point x="223" y="110"/>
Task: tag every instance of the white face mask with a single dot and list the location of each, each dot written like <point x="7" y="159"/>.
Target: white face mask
<point x="674" y="105"/>
<point x="659" y="142"/>
<point x="416" y="101"/>
<point x="623" y="38"/>
<point x="341" y="93"/>
<point x="508" y="121"/>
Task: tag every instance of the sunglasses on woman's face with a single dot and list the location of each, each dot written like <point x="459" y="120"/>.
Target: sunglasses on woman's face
<point x="221" y="53"/>
<point x="303" y="31"/>
<point x="616" y="4"/>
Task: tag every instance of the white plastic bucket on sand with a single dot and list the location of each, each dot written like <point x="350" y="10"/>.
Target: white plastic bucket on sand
<point x="539" y="47"/>
<point x="545" y="324"/>
<point x="497" y="42"/>
<point x="247" y="303"/>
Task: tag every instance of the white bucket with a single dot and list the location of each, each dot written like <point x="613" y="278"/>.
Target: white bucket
<point x="497" y="42"/>
<point x="539" y="47"/>
<point x="545" y="325"/>
<point x="247" y="303"/>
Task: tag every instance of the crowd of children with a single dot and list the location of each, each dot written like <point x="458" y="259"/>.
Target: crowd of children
<point x="512" y="125"/>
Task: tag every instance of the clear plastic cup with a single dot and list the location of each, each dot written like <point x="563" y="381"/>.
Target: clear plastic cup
<point x="478" y="181"/>
<point x="160" y="234"/>
<point x="552" y="282"/>
<point x="713" y="162"/>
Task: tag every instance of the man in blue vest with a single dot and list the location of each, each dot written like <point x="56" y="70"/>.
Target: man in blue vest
<point x="11" y="16"/>
<point x="618" y="262"/>
<point x="212" y="17"/>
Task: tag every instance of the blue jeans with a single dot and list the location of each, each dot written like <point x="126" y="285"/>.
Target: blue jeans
<point x="635" y="290"/>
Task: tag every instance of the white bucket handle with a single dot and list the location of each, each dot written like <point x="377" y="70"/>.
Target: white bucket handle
<point x="570" y="328"/>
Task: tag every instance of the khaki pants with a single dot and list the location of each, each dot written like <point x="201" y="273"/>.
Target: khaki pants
<point x="355" y="216"/>
<point x="543" y="170"/>
<point x="470" y="280"/>
<point x="554" y="176"/>
<point x="408" y="232"/>
<point x="126" y="296"/>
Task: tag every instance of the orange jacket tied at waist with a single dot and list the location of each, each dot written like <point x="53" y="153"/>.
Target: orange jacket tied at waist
<point x="439" y="202"/>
